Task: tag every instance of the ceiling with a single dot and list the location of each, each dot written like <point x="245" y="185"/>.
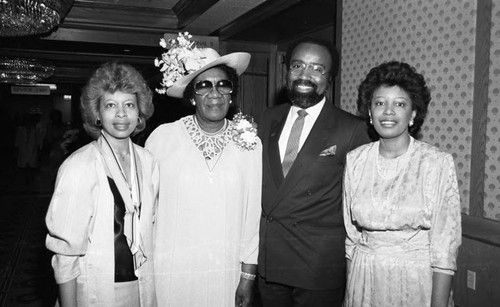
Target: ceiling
<point x="96" y="31"/>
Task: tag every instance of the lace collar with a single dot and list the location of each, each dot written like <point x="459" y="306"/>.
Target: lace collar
<point x="209" y="145"/>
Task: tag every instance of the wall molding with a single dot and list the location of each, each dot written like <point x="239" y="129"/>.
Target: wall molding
<point x="480" y="107"/>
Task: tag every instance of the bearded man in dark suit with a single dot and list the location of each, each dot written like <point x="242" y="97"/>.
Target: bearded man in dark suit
<point x="302" y="254"/>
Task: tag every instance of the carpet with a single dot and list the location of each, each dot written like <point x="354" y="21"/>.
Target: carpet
<point x="26" y="276"/>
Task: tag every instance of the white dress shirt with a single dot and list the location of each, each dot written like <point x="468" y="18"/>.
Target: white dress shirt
<point x="309" y="120"/>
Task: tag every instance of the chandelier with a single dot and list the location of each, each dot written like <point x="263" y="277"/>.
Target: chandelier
<point x="30" y="17"/>
<point x="21" y="70"/>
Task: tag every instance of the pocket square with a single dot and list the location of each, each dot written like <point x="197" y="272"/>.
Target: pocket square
<point x="330" y="151"/>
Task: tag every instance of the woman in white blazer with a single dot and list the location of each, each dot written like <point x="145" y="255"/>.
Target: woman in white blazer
<point x="101" y="216"/>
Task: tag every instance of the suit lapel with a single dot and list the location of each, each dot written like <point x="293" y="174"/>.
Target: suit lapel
<point x="316" y="141"/>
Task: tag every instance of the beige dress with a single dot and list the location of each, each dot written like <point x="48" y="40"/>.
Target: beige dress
<point x="208" y="215"/>
<point x="403" y="223"/>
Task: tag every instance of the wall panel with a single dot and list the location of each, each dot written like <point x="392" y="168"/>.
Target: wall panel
<point x="492" y="163"/>
<point x="437" y="37"/>
<point x="482" y="259"/>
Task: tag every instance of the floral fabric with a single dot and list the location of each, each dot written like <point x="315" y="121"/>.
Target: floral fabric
<point x="403" y="223"/>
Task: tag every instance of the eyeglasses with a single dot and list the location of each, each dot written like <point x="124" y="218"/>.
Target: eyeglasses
<point x="316" y="70"/>
<point x="204" y="87"/>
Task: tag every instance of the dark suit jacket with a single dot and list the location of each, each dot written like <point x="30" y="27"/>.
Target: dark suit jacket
<point x="301" y="229"/>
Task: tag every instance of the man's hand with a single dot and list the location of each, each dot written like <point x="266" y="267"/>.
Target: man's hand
<point x="244" y="293"/>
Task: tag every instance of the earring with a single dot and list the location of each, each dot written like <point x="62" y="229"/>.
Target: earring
<point x="139" y="120"/>
<point x="411" y="122"/>
<point x="230" y="101"/>
<point x="371" y="121"/>
<point x="98" y="122"/>
<point x="193" y="102"/>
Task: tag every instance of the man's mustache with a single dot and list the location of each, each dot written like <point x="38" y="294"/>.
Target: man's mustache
<point x="304" y="83"/>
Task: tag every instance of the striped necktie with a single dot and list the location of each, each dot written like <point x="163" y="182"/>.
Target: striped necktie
<point x="292" y="147"/>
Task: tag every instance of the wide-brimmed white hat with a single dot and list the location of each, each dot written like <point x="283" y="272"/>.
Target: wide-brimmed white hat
<point x="237" y="60"/>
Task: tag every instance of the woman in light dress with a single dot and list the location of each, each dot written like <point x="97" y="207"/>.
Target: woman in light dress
<point x="101" y="216"/>
<point x="210" y="189"/>
<point x="401" y="200"/>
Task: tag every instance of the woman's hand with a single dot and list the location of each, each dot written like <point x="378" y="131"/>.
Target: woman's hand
<point x="244" y="293"/>
<point x="67" y="293"/>
<point x="441" y="286"/>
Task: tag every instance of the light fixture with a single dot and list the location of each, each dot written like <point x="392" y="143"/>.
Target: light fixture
<point x="30" y="17"/>
<point x="21" y="70"/>
<point x="51" y="86"/>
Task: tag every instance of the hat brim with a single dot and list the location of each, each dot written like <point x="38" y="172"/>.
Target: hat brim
<point x="237" y="60"/>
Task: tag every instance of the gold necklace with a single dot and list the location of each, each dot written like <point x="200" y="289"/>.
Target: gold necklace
<point x="211" y="169"/>
<point x="123" y="156"/>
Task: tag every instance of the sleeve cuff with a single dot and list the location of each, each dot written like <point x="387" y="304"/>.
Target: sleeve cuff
<point x="66" y="268"/>
<point x="443" y="271"/>
<point x="349" y="250"/>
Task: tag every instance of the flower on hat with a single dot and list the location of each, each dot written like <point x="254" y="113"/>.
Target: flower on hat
<point x="181" y="59"/>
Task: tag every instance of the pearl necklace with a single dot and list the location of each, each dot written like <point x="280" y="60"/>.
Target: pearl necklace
<point x="224" y="125"/>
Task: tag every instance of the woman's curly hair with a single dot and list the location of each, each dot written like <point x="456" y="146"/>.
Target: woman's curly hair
<point x="109" y="78"/>
<point x="405" y="77"/>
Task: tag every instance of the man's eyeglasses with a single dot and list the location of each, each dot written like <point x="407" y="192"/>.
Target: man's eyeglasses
<point x="316" y="70"/>
<point x="204" y="87"/>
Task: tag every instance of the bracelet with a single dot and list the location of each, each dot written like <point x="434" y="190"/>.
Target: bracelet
<point x="248" y="276"/>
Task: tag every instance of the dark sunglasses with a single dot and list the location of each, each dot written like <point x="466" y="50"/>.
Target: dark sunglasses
<point x="204" y="87"/>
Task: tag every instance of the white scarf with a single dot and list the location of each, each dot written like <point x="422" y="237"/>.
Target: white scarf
<point x="130" y="192"/>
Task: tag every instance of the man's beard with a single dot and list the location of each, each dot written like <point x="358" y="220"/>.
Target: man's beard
<point x="304" y="100"/>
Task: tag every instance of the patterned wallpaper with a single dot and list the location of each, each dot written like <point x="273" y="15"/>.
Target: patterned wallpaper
<point x="492" y="176"/>
<point x="435" y="36"/>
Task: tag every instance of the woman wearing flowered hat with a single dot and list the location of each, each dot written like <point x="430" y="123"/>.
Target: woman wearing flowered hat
<point x="210" y="184"/>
